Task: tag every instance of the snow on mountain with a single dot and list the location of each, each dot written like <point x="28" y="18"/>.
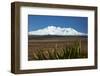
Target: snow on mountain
<point x="53" y="30"/>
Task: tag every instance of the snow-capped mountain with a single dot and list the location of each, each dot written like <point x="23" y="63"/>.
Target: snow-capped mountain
<point x="53" y="30"/>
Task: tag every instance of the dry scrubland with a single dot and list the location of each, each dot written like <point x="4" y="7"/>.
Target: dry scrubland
<point x="57" y="47"/>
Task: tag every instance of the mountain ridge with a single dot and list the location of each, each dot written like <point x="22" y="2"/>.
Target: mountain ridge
<point x="57" y="31"/>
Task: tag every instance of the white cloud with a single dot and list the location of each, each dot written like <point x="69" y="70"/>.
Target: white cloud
<point x="53" y="30"/>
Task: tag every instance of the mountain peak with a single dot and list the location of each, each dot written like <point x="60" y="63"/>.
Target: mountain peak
<point x="53" y="30"/>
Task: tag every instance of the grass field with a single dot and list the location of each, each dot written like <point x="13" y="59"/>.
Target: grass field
<point x="57" y="47"/>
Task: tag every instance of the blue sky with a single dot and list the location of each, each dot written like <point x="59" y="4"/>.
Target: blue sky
<point x="36" y="22"/>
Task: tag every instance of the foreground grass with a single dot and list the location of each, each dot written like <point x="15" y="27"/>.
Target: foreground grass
<point x="58" y="53"/>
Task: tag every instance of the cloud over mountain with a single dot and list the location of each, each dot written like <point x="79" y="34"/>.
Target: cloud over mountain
<point x="53" y="30"/>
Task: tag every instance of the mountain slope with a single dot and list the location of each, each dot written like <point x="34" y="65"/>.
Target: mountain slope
<point x="53" y="30"/>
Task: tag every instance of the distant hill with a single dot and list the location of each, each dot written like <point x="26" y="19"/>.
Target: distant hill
<point x="36" y="37"/>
